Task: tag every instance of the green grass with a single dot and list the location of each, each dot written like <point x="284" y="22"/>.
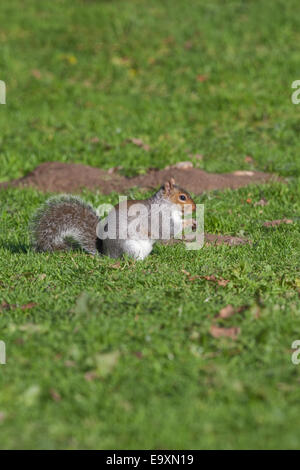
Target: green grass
<point x="122" y="357"/>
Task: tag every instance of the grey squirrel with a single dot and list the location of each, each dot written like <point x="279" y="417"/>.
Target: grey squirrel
<point x="65" y="222"/>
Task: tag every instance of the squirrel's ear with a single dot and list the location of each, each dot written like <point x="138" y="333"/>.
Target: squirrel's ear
<point x="172" y="182"/>
<point x="167" y="188"/>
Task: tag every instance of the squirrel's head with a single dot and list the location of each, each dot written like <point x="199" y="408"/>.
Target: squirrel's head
<point x="177" y="195"/>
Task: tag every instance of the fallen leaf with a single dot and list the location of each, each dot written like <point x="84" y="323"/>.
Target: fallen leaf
<point x="5" y="306"/>
<point x="114" y="169"/>
<point x="210" y="278"/>
<point x="221" y="282"/>
<point x="91" y="375"/>
<point x="185" y="272"/>
<point x="19" y="341"/>
<point x="138" y="354"/>
<point x="107" y="146"/>
<point x="226" y="312"/>
<point x="188" y="45"/>
<point x="69" y="363"/>
<point x="138" y="143"/>
<point x="249" y="159"/>
<point x="202" y="78"/>
<point x="115" y="265"/>
<point x="28" y="306"/>
<point x="218" y="332"/>
<point x="261" y="202"/>
<point x="213" y="239"/>
<point x="273" y="223"/>
<point x="36" y="73"/>
<point x="95" y="140"/>
<point x="169" y="40"/>
<point x="55" y="395"/>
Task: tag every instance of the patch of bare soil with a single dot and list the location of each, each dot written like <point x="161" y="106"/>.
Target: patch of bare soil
<point x="72" y="178"/>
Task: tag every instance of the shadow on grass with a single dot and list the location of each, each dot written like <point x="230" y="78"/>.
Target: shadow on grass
<point x="15" y="247"/>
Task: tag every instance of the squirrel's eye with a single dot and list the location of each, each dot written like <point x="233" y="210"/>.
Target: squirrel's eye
<point x="182" y="197"/>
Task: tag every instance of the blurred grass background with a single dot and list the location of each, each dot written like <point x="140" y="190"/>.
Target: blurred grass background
<point x="210" y="78"/>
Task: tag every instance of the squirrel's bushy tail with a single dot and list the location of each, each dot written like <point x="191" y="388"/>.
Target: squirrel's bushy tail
<point x="65" y="222"/>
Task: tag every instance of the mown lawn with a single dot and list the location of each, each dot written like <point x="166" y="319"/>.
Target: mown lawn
<point x="105" y="355"/>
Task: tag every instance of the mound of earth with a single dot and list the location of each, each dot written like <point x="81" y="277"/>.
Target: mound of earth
<point x="72" y="178"/>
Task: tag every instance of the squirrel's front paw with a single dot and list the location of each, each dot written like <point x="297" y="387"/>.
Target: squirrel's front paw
<point x="190" y="223"/>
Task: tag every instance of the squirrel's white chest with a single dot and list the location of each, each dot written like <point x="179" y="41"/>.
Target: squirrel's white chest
<point x="138" y="249"/>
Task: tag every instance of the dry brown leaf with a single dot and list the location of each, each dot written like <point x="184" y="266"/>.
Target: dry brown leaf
<point x="5" y="306"/>
<point x="69" y="363"/>
<point x="55" y="395"/>
<point x="116" y="265"/>
<point x="138" y="143"/>
<point x="28" y="306"/>
<point x="249" y="159"/>
<point x="210" y="278"/>
<point x="273" y="223"/>
<point x="95" y="140"/>
<point x="114" y="169"/>
<point x="229" y="310"/>
<point x="202" y="78"/>
<point x="221" y="282"/>
<point x="226" y="312"/>
<point x="261" y="202"/>
<point x="188" y="45"/>
<point x="36" y="73"/>
<point x="212" y="239"/>
<point x="91" y="375"/>
<point x="218" y="332"/>
<point x="185" y="272"/>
